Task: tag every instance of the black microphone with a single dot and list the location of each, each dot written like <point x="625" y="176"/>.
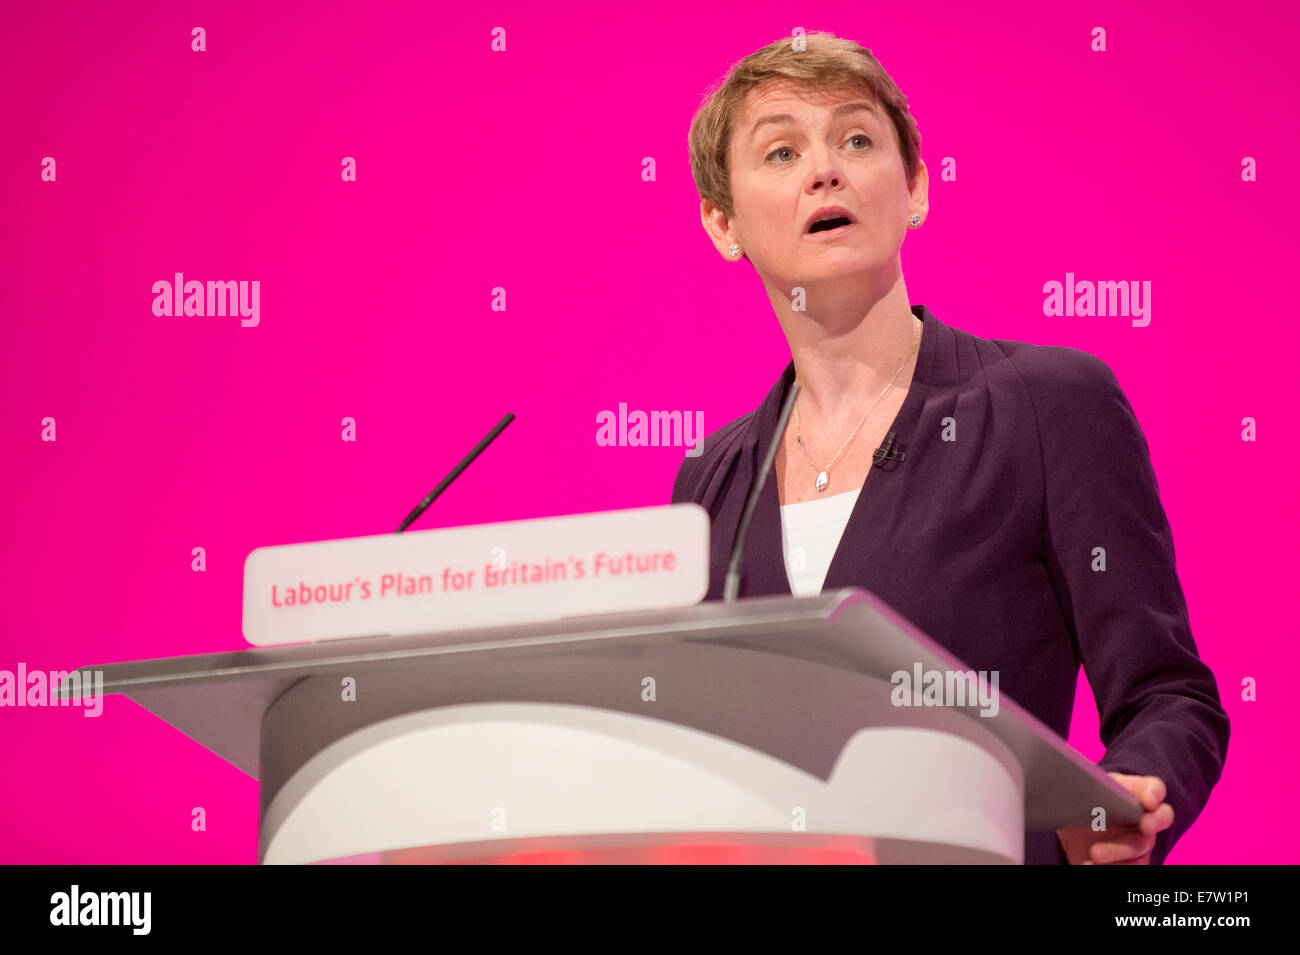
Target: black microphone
<point x="885" y="453"/>
<point x="455" y="472"/>
<point x="732" y="585"/>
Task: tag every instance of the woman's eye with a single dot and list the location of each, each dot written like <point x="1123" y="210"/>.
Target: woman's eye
<point x="787" y="149"/>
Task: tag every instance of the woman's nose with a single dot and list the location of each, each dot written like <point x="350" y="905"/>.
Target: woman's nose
<point x="826" y="177"/>
<point x="826" y="171"/>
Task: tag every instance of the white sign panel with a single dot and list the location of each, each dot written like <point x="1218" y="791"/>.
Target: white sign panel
<point x="643" y="558"/>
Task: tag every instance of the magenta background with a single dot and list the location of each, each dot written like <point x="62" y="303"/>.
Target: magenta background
<point x="478" y="169"/>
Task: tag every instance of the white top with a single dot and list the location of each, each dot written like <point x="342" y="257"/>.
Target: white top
<point x="811" y="531"/>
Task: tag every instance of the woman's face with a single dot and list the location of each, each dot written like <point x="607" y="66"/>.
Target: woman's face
<point x="794" y="152"/>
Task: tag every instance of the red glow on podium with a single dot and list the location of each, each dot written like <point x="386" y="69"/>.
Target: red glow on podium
<point x="678" y="853"/>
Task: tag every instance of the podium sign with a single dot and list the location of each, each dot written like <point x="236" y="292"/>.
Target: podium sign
<point x="476" y="576"/>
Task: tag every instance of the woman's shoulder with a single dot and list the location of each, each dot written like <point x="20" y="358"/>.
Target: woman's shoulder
<point x="717" y="451"/>
<point x="1055" y="374"/>
<point x="1074" y="395"/>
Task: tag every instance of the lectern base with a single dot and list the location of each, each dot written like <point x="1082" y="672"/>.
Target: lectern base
<point x="470" y="781"/>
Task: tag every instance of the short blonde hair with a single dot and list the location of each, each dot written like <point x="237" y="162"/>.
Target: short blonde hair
<point x="826" y="62"/>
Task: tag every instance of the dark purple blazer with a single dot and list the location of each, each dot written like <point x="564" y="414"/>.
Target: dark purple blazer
<point x="1022" y="461"/>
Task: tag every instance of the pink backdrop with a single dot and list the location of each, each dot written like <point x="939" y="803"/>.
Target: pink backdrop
<point x="523" y="169"/>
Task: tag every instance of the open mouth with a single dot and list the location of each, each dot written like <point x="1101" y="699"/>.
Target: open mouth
<point x="829" y="223"/>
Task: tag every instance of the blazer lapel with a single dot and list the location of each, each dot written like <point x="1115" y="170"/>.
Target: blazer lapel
<point x="764" y="570"/>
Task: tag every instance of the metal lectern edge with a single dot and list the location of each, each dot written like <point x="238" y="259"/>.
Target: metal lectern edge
<point x="698" y="619"/>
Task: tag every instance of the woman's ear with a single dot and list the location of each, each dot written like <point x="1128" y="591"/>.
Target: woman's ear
<point x="919" y="190"/>
<point x="717" y="224"/>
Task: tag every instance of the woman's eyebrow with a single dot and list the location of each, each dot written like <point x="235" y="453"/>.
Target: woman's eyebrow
<point x="787" y="118"/>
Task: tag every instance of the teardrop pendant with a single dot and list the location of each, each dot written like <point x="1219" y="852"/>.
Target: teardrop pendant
<point x="822" y="480"/>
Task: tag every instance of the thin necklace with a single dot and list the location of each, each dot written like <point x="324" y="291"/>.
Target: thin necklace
<point x="823" y="474"/>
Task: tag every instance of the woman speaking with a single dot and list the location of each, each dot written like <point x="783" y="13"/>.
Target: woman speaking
<point x="997" y="494"/>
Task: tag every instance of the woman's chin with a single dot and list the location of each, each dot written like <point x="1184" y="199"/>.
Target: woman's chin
<point x="829" y="268"/>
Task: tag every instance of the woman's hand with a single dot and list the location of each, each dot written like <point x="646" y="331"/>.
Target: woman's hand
<point x="1125" y="844"/>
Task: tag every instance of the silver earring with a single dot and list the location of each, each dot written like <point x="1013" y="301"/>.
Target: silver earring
<point x="915" y="220"/>
<point x="733" y="250"/>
